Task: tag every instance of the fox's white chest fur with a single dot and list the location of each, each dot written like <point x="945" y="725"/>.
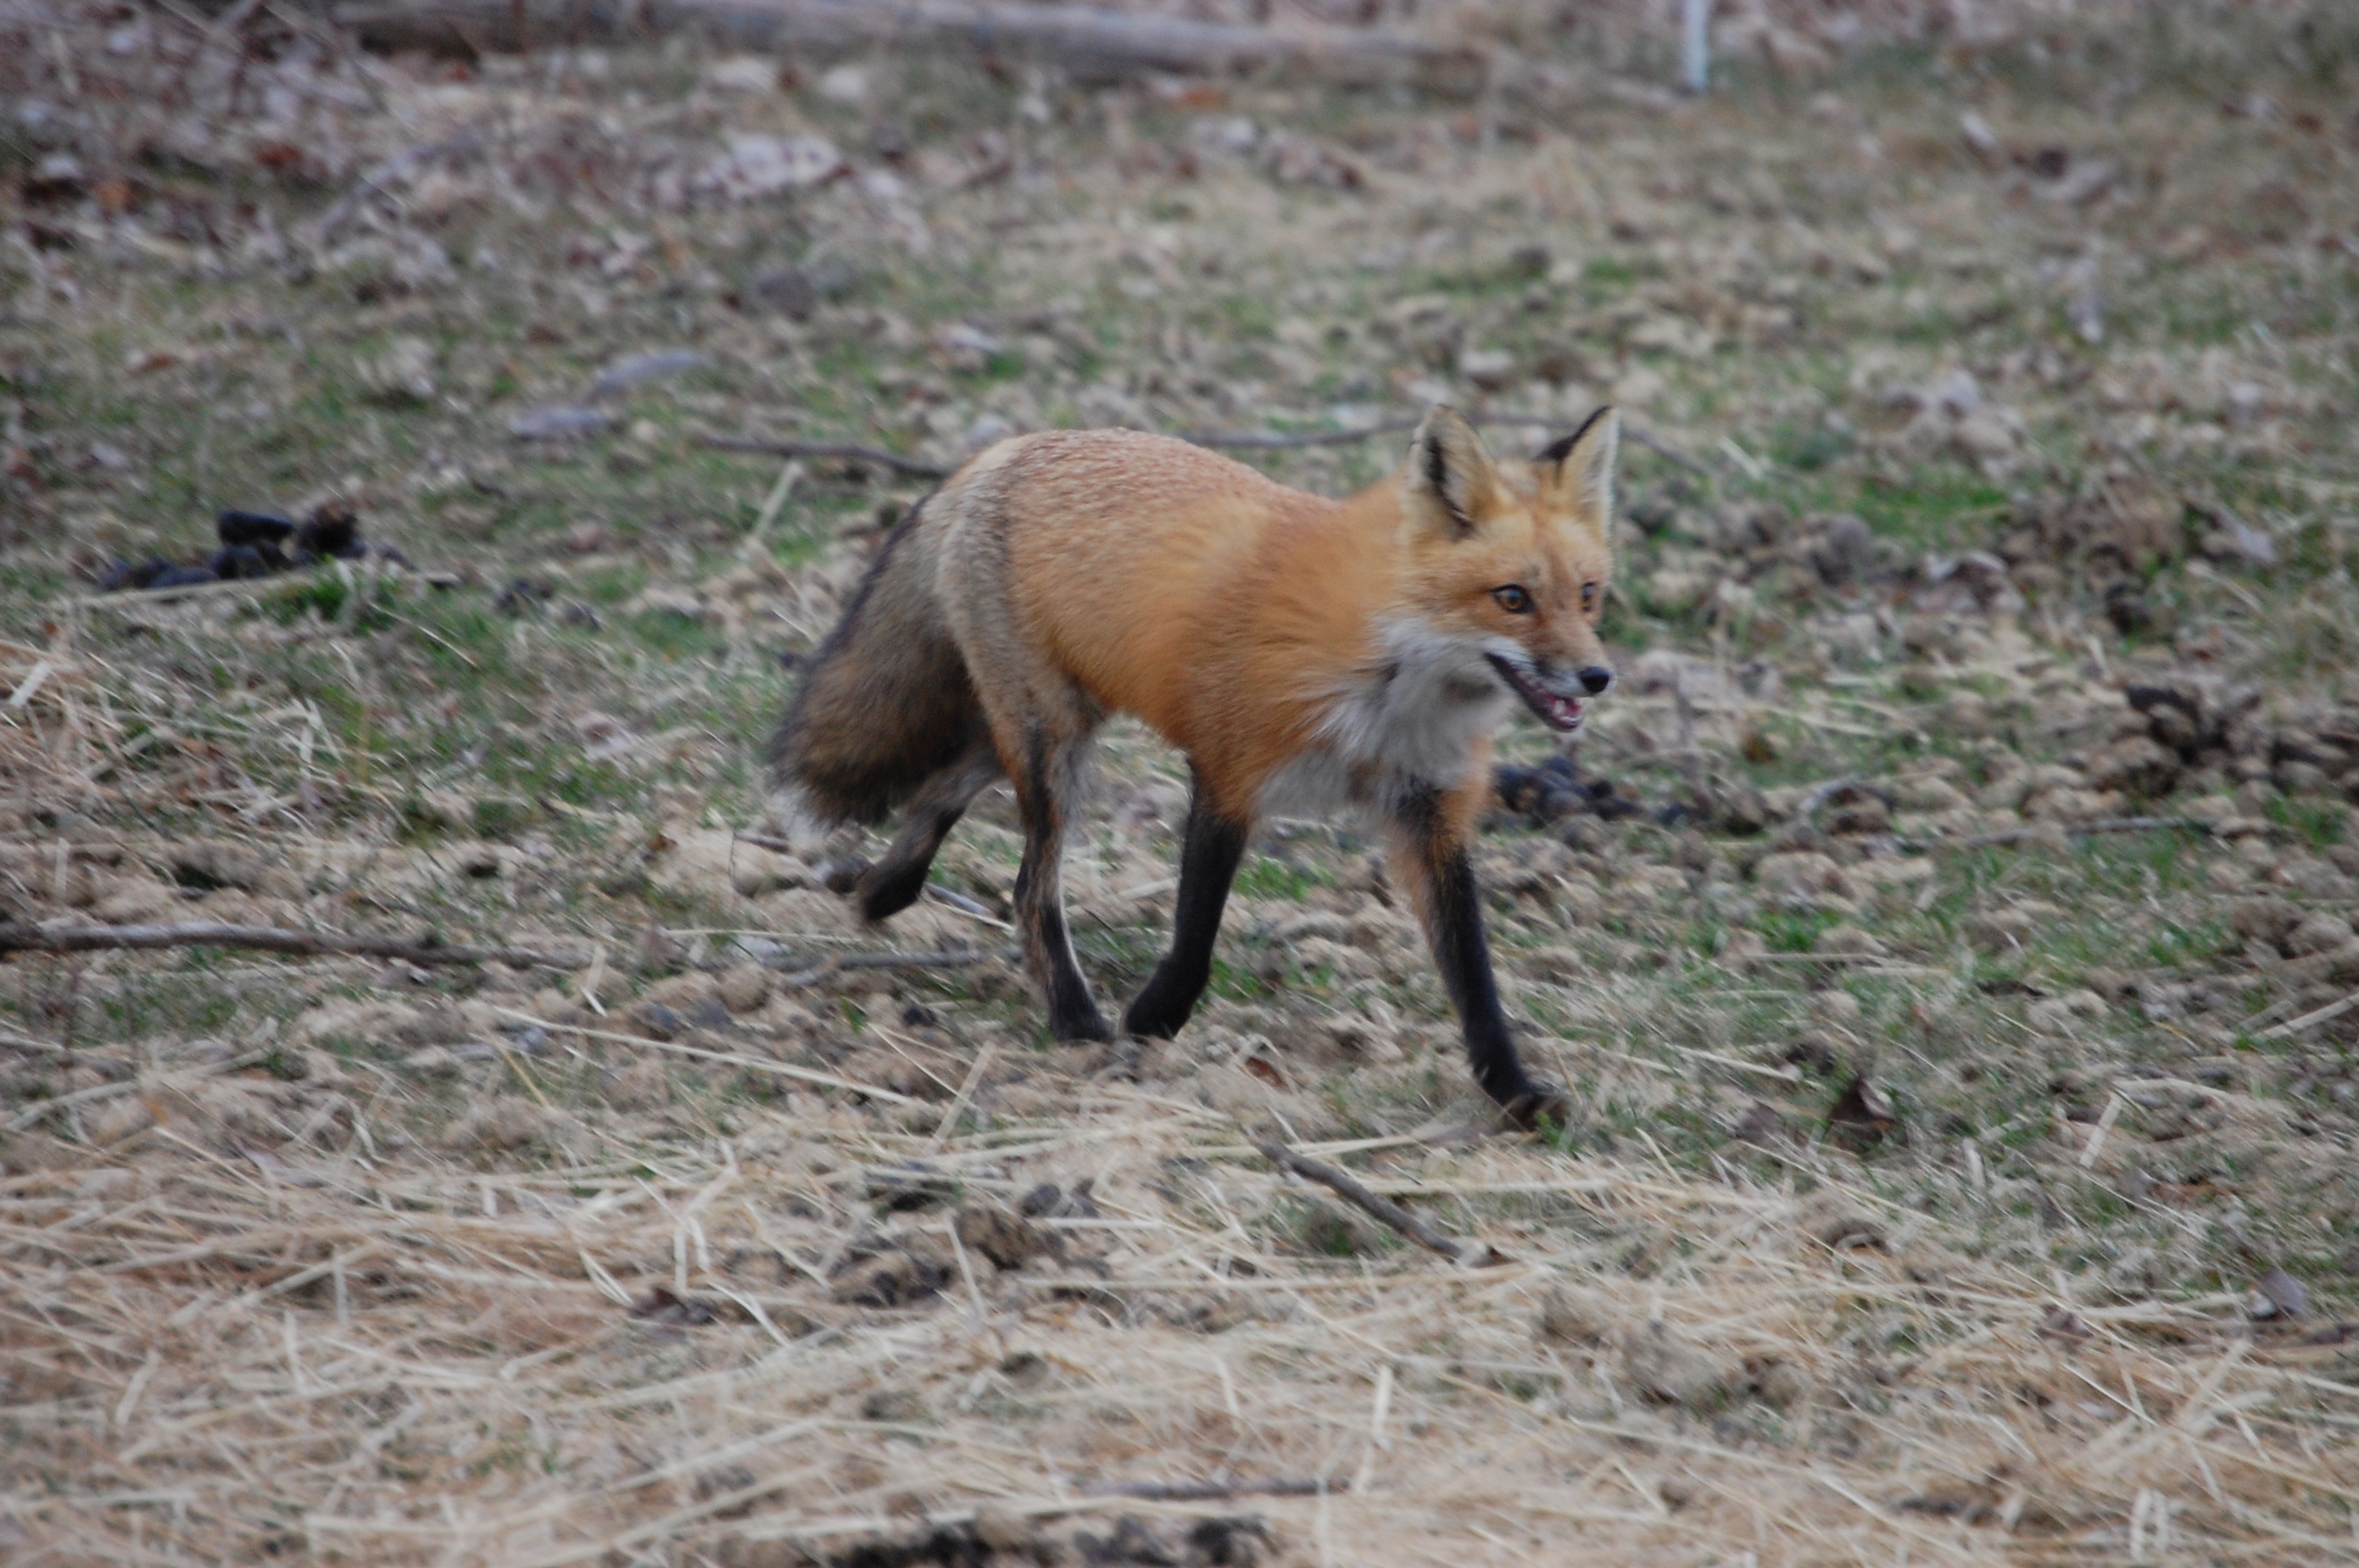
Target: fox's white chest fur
<point x="1415" y="718"/>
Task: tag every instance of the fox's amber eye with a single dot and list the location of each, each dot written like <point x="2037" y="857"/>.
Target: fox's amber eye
<point x="1515" y="598"/>
<point x="1588" y="595"/>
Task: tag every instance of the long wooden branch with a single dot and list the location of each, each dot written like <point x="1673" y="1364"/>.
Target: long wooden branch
<point x="270" y="938"/>
<point x="79" y="1098"/>
<point x="843" y="451"/>
<point x="2006" y="836"/>
<point x="1217" y="1490"/>
<point x="1473" y="1254"/>
<point x="1265" y="441"/>
<point x="1093" y="45"/>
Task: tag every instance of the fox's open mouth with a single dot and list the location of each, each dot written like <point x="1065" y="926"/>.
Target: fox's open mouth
<point x="1559" y="713"/>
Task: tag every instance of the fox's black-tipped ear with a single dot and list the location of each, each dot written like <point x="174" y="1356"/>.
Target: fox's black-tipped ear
<point x="1577" y="471"/>
<point x="1452" y="478"/>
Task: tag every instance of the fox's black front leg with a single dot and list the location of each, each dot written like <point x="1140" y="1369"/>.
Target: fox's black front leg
<point x="1441" y="879"/>
<point x="1209" y="853"/>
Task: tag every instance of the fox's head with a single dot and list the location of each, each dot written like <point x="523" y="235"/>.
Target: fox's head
<point x="1509" y="562"/>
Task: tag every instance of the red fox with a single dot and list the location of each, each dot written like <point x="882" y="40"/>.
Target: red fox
<point x="1303" y="653"/>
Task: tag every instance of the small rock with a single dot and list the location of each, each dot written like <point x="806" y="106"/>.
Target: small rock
<point x="790" y="292"/>
<point x="845" y="84"/>
<point x="1051" y="1201"/>
<point x="1836" y="1009"/>
<point x="2138" y="766"/>
<point x="207" y="867"/>
<point x="117" y="1120"/>
<point x="1849" y="941"/>
<point x="1783" y="1385"/>
<point x="637" y="369"/>
<point x="902" y="1277"/>
<point x="1834" y="1222"/>
<point x="434" y="1062"/>
<point x="896" y="1407"/>
<point x="2265" y="918"/>
<point x="642" y="1086"/>
<point x="758" y="166"/>
<point x="746" y="988"/>
<point x="1844" y="551"/>
<point x="1663" y="1368"/>
<point x="510" y="1122"/>
<point x="1572" y="1315"/>
<point x="1803" y="872"/>
<point x="742" y="74"/>
<point x="2059" y="1015"/>
<point x="1760" y="1124"/>
<point x="560" y="422"/>
<point x="2318" y="933"/>
<point x="1007" y="1239"/>
<point x="2283" y="1292"/>
<point x="1860" y="1116"/>
<point x="1003" y="1529"/>
<point x="1491" y="369"/>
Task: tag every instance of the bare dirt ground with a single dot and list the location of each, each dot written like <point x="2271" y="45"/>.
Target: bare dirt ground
<point x="1946" y="935"/>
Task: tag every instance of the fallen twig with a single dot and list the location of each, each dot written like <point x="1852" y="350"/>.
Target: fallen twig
<point x="1212" y="1491"/>
<point x="839" y="962"/>
<point x="132" y="598"/>
<point x="2311" y="1019"/>
<point x="41" y="1108"/>
<point x="402" y="167"/>
<point x="1095" y="45"/>
<point x="842" y="450"/>
<point x="17" y="938"/>
<point x="1473" y="1254"/>
<point x="765" y="840"/>
<point x="1664" y="450"/>
<point x="1279" y="441"/>
<point x="965" y="906"/>
<point x="2025" y="835"/>
<point x="734" y="1058"/>
<point x="1286" y="440"/>
<point x="1264" y="440"/>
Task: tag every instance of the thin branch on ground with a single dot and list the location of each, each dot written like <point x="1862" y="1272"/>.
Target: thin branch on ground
<point x="838" y="963"/>
<point x="1214" y="1492"/>
<point x="841" y="451"/>
<point x="1263" y="441"/>
<point x="41" y="1108"/>
<point x="2085" y="830"/>
<point x="1391" y="1213"/>
<point x="271" y="939"/>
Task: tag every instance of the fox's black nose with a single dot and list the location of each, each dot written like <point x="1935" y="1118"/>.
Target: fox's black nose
<point x="1595" y="678"/>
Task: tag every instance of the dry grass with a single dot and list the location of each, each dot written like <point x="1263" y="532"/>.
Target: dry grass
<point x="421" y="1362"/>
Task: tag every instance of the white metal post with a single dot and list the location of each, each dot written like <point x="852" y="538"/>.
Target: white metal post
<point x="1695" y="44"/>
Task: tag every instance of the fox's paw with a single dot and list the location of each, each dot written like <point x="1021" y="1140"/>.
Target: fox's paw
<point x="1080" y="1026"/>
<point x="841" y="877"/>
<point x="1542" y="1108"/>
<point x="1153" y="1018"/>
<point x="885" y="889"/>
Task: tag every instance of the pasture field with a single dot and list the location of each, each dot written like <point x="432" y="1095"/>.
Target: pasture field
<point x="1944" y="931"/>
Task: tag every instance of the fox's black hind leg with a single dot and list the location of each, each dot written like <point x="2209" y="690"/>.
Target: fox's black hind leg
<point x="1047" y="782"/>
<point x="1208" y="854"/>
<point x="895" y="882"/>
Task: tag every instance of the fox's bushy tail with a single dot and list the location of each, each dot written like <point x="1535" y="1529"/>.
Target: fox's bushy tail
<point x="885" y="705"/>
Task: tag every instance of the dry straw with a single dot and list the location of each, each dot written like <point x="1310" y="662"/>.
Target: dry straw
<point x="214" y="1358"/>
